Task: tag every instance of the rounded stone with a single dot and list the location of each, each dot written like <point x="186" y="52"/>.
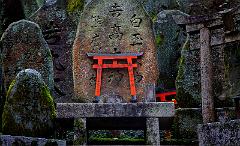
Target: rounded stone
<point x="29" y="109"/>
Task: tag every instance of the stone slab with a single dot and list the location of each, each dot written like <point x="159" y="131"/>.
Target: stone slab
<point x="87" y="110"/>
<point x="9" y="140"/>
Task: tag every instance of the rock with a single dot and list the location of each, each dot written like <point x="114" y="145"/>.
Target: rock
<point x="113" y="27"/>
<point x="30" y="6"/>
<point x="153" y="7"/>
<point x="169" y="39"/>
<point x="29" y="141"/>
<point x="29" y="108"/>
<point x="185" y="123"/>
<point x="205" y="7"/>
<point x="1" y="18"/>
<point x="219" y="133"/>
<point x="188" y="79"/>
<point x="59" y="31"/>
<point x="24" y="47"/>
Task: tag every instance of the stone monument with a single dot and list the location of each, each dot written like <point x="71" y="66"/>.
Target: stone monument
<point x="113" y="27"/>
<point x="24" y="47"/>
<point x="59" y="31"/>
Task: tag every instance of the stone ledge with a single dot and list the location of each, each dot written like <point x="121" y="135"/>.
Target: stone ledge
<point x="87" y="110"/>
<point x="8" y="140"/>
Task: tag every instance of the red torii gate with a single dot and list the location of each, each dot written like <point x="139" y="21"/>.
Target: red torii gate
<point x="115" y="64"/>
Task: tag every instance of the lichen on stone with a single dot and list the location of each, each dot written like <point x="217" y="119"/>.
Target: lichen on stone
<point x="29" y="109"/>
<point x="74" y="5"/>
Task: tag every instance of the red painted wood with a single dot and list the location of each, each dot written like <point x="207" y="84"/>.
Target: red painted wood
<point x="114" y="57"/>
<point x="162" y="96"/>
<point x="131" y="77"/>
<point x="130" y="66"/>
<point x="99" y="78"/>
<point x="114" y="66"/>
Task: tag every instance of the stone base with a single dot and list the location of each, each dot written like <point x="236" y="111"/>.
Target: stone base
<point x="8" y="140"/>
<point x="149" y="111"/>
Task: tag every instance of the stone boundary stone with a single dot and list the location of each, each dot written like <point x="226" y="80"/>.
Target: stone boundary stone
<point x="8" y="140"/>
<point x="227" y="133"/>
<point x="87" y="110"/>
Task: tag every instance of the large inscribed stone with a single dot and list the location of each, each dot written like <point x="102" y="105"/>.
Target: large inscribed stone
<point x="59" y="31"/>
<point x="113" y="27"/>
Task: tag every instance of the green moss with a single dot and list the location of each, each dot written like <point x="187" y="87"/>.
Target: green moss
<point x="159" y="40"/>
<point x="74" y="5"/>
<point x="79" y="126"/>
<point x="10" y="88"/>
<point x="13" y="125"/>
<point x="40" y="3"/>
<point x="49" y="100"/>
<point x="185" y="123"/>
<point x="184" y="98"/>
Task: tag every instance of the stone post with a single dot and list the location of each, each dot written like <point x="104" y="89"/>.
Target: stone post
<point x="80" y="131"/>
<point x="206" y="77"/>
<point x="152" y="136"/>
<point x="150" y="93"/>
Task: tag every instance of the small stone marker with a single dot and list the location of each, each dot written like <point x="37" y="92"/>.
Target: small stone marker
<point x="113" y="27"/>
<point x="29" y="109"/>
<point x="24" y="47"/>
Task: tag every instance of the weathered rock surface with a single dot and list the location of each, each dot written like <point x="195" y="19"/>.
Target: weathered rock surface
<point x="219" y="133"/>
<point x="24" y="47"/>
<point x="29" y="108"/>
<point x="191" y="7"/>
<point x="30" y="6"/>
<point x="59" y="31"/>
<point x="113" y="27"/>
<point x="169" y="39"/>
<point x="29" y="141"/>
<point x="140" y="109"/>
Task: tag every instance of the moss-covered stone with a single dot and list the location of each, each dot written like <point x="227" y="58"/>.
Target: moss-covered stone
<point x="29" y="109"/>
<point x="185" y="123"/>
<point x="188" y="78"/>
<point x="80" y="137"/>
<point x="75" y="5"/>
<point x="169" y="40"/>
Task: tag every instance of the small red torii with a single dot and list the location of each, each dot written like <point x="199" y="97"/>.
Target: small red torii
<point x="115" y="64"/>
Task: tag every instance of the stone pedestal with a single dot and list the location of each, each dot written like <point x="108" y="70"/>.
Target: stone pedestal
<point x="152" y="136"/>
